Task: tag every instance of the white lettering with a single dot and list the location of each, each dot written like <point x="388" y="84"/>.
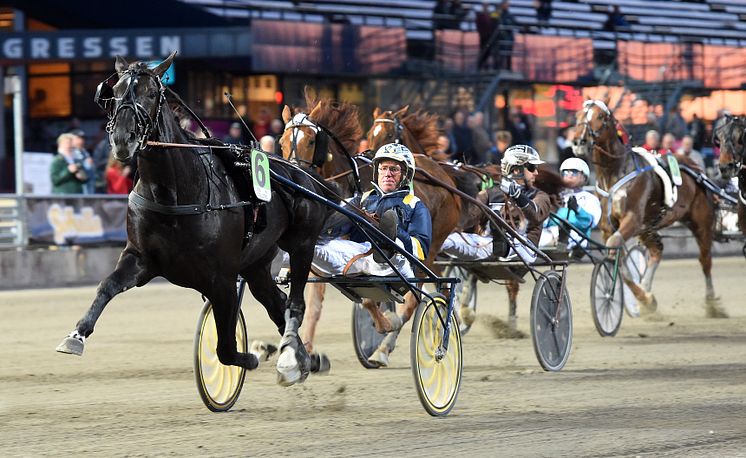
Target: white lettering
<point x="39" y="48"/>
<point x="66" y="48"/>
<point x="143" y="46"/>
<point x="118" y="46"/>
<point x="92" y="47"/>
<point x="170" y="44"/>
<point x="12" y="48"/>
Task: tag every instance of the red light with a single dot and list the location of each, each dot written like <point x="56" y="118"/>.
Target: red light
<point x="278" y="97"/>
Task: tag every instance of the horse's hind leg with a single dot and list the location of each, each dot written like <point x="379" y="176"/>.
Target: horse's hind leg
<point x="512" y="286"/>
<point x="129" y="272"/>
<point x="314" y="302"/>
<point x="701" y="227"/>
<point x="654" y="244"/>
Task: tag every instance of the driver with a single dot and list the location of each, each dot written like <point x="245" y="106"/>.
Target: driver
<point x="528" y="209"/>
<point x="403" y="218"/>
<point x="581" y="208"/>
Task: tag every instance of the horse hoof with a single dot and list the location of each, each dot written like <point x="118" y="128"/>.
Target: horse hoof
<point x="320" y="363"/>
<point x="714" y="310"/>
<point x="262" y="350"/>
<point x="395" y="321"/>
<point x="467" y="315"/>
<point x="650" y="303"/>
<point x="288" y="368"/>
<point x="379" y="358"/>
<point x="72" y="345"/>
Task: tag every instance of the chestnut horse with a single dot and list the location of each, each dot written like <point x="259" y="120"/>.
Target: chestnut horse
<point x="299" y="142"/>
<point x="419" y="132"/>
<point x="637" y="204"/>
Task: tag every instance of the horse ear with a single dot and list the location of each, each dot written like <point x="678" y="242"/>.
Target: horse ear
<point x="163" y="66"/>
<point x="376" y="113"/>
<point x="121" y="65"/>
<point x="287" y="115"/>
<point x="403" y="111"/>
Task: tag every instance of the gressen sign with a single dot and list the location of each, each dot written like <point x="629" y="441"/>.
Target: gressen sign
<point x="133" y="43"/>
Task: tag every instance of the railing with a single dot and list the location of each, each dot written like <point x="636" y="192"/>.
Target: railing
<point x="62" y="219"/>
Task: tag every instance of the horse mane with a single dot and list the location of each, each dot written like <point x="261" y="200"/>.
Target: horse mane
<point x="424" y="127"/>
<point x="341" y="118"/>
<point x="551" y="183"/>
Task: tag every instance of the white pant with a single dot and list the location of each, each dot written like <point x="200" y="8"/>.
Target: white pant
<point x="472" y="247"/>
<point x="550" y="238"/>
<point x="332" y="257"/>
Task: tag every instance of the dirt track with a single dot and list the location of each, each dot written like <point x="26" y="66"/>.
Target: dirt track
<point x="675" y="386"/>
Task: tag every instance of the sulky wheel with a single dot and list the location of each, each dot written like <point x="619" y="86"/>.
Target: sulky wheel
<point x="607" y="299"/>
<point x="437" y="371"/>
<point x="466" y="296"/>
<point x="551" y="322"/>
<point x="365" y="338"/>
<point x="218" y="385"/>
<point x="637" y="262"/>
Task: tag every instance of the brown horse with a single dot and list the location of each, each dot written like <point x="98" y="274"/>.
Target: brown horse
<point x="634" y="205"/>
<point x="730" y="135"/>
<point x="444" y="207"/>
<point x="419" y="132"/>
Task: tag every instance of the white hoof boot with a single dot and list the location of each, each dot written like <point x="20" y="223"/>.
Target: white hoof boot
<point x="288" y="368"/>
<point x="73" y="344"/>
<point x="379" y="358"/>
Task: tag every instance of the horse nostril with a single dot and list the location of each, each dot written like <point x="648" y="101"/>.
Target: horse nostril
<point x="132" y="137"/>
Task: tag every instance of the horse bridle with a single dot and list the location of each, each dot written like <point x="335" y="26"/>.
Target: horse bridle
<point x="594" y="134"/>
<point x="398" y="126"/>
<point x="298" y="121"/>
<point x="731" y="123"/>
<point x="144" y="124"/>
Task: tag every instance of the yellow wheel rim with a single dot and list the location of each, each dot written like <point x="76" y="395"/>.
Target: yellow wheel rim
<point x="439" y="379"/>
<point x="220" y="383"/>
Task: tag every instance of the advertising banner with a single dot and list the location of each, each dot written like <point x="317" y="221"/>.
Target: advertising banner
<point x="76" y="220"/>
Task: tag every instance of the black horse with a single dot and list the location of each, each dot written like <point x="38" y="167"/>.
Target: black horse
<point x="188" y="220"/>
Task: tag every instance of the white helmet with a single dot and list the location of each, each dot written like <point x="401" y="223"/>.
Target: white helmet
<point x="517" y="156"/>
<point x="575" y="163"/>
<point x="399" y="153"/>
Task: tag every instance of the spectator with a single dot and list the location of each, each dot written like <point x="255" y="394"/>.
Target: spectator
<point x="486" y="27"/>
<point x="119" y="177"/>
<point x="443" y="151"/>
<point x="503" y="140"/>
<point x="615" y="21"/>
<point x="261" y="126"/>
<point x="78" y="140"/>
<point x="363" y="145"/>
<point x="235" y="135"/>
<point x="448" y="132"/>
<point x="101" y="154"/>
<point x="462" y="133"/>
<point x="675" y="123"/>
<point x="687" y="150"/>
<point x="543" y="11"/>
<point x="564" y="143"/>
<point x="481" y="143"/>
<point x="668" y="144"/>
<point x="505" y="36"/>
<point x="66" y="170"/>
<point x="697" y="131"/>
<point x="652" y="141"/>
<point x="519" y="127"/>
<point x="276" y="128"/>
<point x="267" y="144"/>
<point x="440" y="15"/>
<point x="457" y="13"/>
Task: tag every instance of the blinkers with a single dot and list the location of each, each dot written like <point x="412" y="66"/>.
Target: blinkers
<point x="321" y="149"/>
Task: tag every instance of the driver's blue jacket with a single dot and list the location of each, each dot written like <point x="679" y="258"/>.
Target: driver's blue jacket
<point x="415" y="224"/>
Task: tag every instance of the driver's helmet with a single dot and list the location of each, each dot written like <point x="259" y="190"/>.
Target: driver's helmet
<point x="518" y="156"/>
<point x="575" y="163"/>
<point x="399" y="153"/>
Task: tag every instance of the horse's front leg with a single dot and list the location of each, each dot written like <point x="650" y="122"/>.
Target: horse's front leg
<point x="294" y="363"/>
<point x="130" y="271"/>
<point x="224" y="299"/>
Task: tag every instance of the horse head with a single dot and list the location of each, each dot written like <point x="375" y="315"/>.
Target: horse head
<point x="730" y="136"/>
<point x="387" y="128"/>
<point x="133" y="105"/>
<point x="304" y="140"/>
<point x="595" y="125"/>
